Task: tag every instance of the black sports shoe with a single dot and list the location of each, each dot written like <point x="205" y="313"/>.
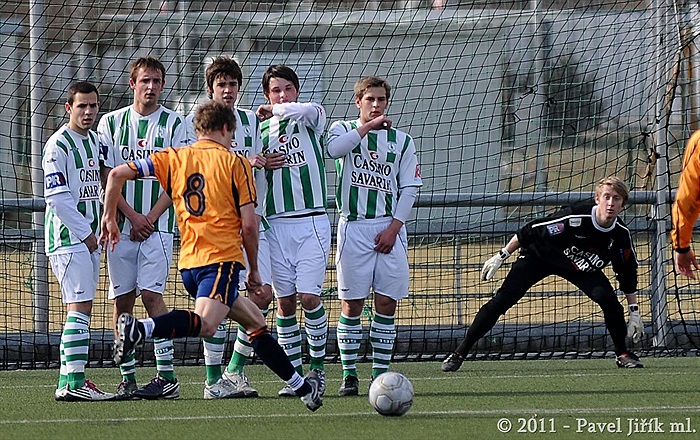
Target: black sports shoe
<point x="159" y="388"/>
<point x="628" y="360"/>
<point x="350" y="386"/>
<point x="452" y="362"/>
<point x="313" y="400"/>
<point x="125" y="390"/>
<point x="129" y="337"/>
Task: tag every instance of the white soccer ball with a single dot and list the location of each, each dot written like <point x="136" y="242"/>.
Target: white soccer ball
<point x="391" y="394"/>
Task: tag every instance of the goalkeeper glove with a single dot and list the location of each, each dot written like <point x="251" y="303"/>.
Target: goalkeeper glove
<point x="635" y="326"/>
<point x="493" y="263"/>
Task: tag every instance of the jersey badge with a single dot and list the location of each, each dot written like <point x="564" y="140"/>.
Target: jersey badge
<point x="417" y="174"/>
<point x="610" y="245"/>
<point x="54" y="180"/>
<point x="555" y="229"/>
<point x="142" y="143"/>
<point x="574" y="222"/>
<point x="374" y="155"/>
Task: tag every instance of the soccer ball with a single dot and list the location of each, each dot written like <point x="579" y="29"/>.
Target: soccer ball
<point x="391" y="394"/>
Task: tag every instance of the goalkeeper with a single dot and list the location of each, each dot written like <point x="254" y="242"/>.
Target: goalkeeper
<point x="575" y="243"/>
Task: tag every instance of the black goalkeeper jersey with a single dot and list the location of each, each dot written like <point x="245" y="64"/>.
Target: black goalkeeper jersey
<point x="571" y="239"/>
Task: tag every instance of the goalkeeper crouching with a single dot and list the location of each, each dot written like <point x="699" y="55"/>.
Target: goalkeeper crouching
<point x="575" y="243"/>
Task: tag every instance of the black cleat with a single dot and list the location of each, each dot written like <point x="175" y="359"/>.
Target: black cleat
<point x="628" y="360"/>
<point x="350" y="386"/>
<point x="452" y="362"/>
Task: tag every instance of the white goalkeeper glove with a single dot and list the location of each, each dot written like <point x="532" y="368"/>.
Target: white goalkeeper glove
<point x="635" y="326"/>
<point x="493" y="263"/>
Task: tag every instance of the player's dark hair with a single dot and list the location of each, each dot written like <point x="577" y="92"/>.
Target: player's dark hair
<point x="367" y="82"/>
<point x="213" y="116"/>
<point x="220" y="67"/>
<point x="617" y="184"/>
<point x="80" y="87"/>
<point x="146" y="63"/>
<point x="279" y="71"/>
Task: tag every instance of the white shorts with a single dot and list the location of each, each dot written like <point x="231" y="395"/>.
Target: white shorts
<point x="141" y="265"/>
<point x="263" y="263"/>
<point x="78" y="274"/>
<point x="299" y="250"/>
<point x="360" y="267"/>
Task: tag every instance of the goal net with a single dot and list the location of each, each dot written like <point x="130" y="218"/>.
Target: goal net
<point x="516" y="108"/>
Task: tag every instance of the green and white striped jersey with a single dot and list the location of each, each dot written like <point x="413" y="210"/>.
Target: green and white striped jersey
<point x="371" y="176"/>
<point x="71" y="164"/>
<point x="246" y="142"/>
<point x="300" y="185"/>
<point x="126" y="136"/>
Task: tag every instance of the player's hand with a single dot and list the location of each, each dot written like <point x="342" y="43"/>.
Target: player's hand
<point x="493" y="263"/>
<point x="91" y="243"/>
<point x="264" y="112"/>
<point x="686" y="263"/>
<point x="384" y="241"/>
<point x="110" y="235"/>
<point x="635" y="326"/>
<point x="141" y="227"/>
<point x="380" y="123"/>
<point x="274" y="161"/>
<point x="257" y="161"/>
<point x="253" y="283"/>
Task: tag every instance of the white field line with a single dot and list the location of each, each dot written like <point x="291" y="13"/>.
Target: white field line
<point x="495" y="413"/>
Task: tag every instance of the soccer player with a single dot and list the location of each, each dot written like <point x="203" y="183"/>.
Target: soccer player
<point x="213" y="192"/>
<point x="224" y="78"/>
<point x="575" y="243"/>
<point x="140" y="264"/>
<point x="378" y="180"/>
<point x="72" y="186"/>
<point x="686" y="210"/>
<point x="295" y="207"/>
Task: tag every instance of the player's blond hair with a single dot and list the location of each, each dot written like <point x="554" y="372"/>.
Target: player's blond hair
<point x="367" y="82"/>
<point x="617" y="184"/>
<point x="213" y="116"/>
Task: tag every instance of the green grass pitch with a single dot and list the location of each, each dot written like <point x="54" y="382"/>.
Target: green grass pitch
<point x="557" y="399"/>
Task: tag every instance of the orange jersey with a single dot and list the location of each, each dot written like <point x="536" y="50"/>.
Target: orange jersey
<point x="686" y="208"/>
<point x="208" y="185"/>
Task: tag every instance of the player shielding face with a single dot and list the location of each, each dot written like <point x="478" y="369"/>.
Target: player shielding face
<point x="295" y="207"/>
<point x="140" y="264"/>
<point x="575" y="243"/>
<point x="72" y="184"/>
<point x="378" y="180"/>
<point x="213" y="192"/>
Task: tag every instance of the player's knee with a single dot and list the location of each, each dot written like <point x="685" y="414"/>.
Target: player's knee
<point x="309" y="301"/>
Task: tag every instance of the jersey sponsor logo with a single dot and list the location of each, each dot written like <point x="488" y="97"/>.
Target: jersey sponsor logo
<point x="54" y="180"/>
<point x="556" y="228"/>
<point x="283" y="139"/>
<point x="234" y="144"/>
<point x="575" y="222"/>
<point x="142" y="143"/>
<point x="130" y="155"/>
<point x="584" y="261"/>
<point x="374" y="155"/>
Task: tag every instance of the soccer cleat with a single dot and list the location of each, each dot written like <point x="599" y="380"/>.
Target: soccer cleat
<point x="322" y="381"/>
<point x="313" y="400"/>
<point x="60" y="393"/>
<point x="628" y="360"/>
<point x="350" y="386"/>
<point x="287" y="391"/>
<point x="129" y="337"/>
<point x="87" y="393"/>
<point x="452" y="362"/>
<point x="125" y="390"/>
<point x="221" y="389"/>
<point x="241" y="384"/>
<point x="159" y="388"/>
